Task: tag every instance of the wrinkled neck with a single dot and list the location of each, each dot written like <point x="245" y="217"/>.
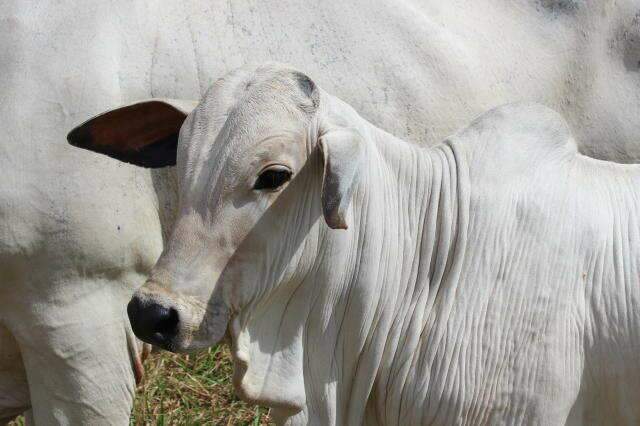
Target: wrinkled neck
<point x="421" y="205"/>
<point x="384" y="275"/>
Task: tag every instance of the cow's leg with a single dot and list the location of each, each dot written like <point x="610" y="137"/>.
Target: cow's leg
<point x="14" y="390"/>
<point x="75" y="351"/>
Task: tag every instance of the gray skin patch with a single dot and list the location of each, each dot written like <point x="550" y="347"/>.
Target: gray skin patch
<point x="626" y="43"/>
<point x="631" y="45"/>
<point x="305" y="83"/>
<point x="560" y="6"/>
<point x="308" y="87"/>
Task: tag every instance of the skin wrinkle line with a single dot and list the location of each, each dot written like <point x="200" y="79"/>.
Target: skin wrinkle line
<point x="415" y="265"/>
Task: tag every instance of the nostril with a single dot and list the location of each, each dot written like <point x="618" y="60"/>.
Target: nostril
<point x="152" y="322"/>
<point x="168" y="323"/>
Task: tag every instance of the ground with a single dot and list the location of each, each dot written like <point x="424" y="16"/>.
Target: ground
<point x="191" y="390"/>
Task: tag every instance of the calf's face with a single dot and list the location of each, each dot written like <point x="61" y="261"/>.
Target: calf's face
<point x="260" y="161"/>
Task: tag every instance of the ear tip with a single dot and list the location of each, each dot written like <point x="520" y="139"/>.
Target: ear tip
<point x="336" y="222"/>
<point x="79" y="137"/>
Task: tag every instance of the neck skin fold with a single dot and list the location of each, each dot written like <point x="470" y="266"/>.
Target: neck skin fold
<point x="386" y="279"/>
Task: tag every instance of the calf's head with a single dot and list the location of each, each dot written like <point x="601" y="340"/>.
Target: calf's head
<point x="266" y="164"/>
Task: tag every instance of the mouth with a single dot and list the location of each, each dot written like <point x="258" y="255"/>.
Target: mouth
<point x="160" y="341"/>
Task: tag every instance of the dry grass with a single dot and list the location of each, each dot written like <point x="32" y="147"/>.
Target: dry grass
<point x="190" y="390"/>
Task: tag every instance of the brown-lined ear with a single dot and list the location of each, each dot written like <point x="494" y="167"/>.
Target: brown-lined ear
<point x="342" y="150"/>
<point x="144" y="133"/>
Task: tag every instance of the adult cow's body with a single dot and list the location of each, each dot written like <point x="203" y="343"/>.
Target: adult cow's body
<point x="78" y="233"/>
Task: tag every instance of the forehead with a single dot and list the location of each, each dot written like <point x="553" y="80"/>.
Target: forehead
<point x="246" y="106"/>
<point x="254" y="97"/>
<point x="244" y="111"/>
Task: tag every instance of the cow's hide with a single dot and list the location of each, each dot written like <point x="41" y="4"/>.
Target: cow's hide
<point x="78" y="232"/>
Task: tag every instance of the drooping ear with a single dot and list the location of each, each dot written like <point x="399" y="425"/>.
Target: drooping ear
<point x="342" y="151"/>
<point x="144" y="133"/>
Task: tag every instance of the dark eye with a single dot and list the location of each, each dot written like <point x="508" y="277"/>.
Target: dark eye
<point x="273" y="178"/>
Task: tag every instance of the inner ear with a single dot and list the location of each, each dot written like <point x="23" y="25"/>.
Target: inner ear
<point x="144" y="134"/>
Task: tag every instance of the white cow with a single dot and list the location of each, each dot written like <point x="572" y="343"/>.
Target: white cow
<point x="78" y="232"/>
<point x="493" y="278"/>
